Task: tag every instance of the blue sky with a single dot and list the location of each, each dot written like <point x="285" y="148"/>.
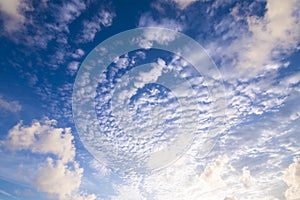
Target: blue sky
<point x="136" y="118"/>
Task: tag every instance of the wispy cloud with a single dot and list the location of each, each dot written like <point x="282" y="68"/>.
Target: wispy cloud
<point x="10" y="106"/>
<point x="7" y="194"/>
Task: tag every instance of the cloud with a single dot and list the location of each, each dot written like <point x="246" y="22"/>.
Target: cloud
<point x="7" y="194"/>
<point x="73" y="67"/>
<point x="51" y="174"/>
<point x="291" y="80"/>
<point x="277" y="32"/>
<point x="14" y="18"/>
<point x="42" y="137"/>
<point x="70" y="11"/>
<point x="78" y="53"/>
<point x="271" y="140"/>
<point x="230" y="198"/>
<point x="184" y="3"/>
<point x="27" y="28"/>
<point x="181" y="4"/>
<point x="11" y="106"/>
<point x="212" y="174"/>
<point x="60" y="176"/>
<point x="292" y="179"/>
<point x="269" y="37"/>
<point x="91" y="27"/>
<point x="160" y="36"/>
<point x="182" y="180"/>
<point x="246" y="178"/>
<point x="254" y="38"/>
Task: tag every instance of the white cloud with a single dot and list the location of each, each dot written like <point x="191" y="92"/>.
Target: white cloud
<point x="250" y="45"/>
<point x="90" y="28"/>
<point x="292" y="179"/>
<point x="246" y="178"/>
<point x="122" y="63"/>
<point x="184" y="3"/>
<point x="291" y="80"/>
<point x="67" y="13"/>
<point x="73" y="67"/>
<point x="56" y="179"/>
<point x="160" y="36"/>
<point x="230" y="198"/>
<point x="276" y="33"/>
<point x="78" y="53"/>
<point x="17" y="25"/>
<point x="11" y="106"/>
<point x="42" y="137"/>
<point x="129" y="192"/>
<point x="278" y="29"/>
<point x="212" y="174"/>
<point x="60" y="176"/>
<point x="14" y="11"/>
<point x="186" y="179"/>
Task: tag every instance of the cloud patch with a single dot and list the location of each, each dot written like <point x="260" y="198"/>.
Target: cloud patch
<point x="161" y="37"/>
<point x="10" y="106"/>
<point x="91" y="27"/>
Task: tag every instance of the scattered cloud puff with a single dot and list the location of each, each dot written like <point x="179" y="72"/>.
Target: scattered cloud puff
<point x="91" y="27"/>
<point x="292" y="179"/>
<point x="69" y="12"/>
<point x="10" y="106"/>
<point x="78" y="53"/>
<point x="73" y="67"/>
<point x="60" y="176"/>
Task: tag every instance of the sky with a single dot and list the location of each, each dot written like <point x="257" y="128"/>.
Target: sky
<point x="140" y="99"/>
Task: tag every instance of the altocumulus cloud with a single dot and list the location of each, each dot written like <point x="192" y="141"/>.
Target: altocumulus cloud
<point x="60" y="176"/>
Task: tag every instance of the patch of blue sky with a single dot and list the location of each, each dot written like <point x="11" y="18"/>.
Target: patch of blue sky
<point x="14" y="191"/>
